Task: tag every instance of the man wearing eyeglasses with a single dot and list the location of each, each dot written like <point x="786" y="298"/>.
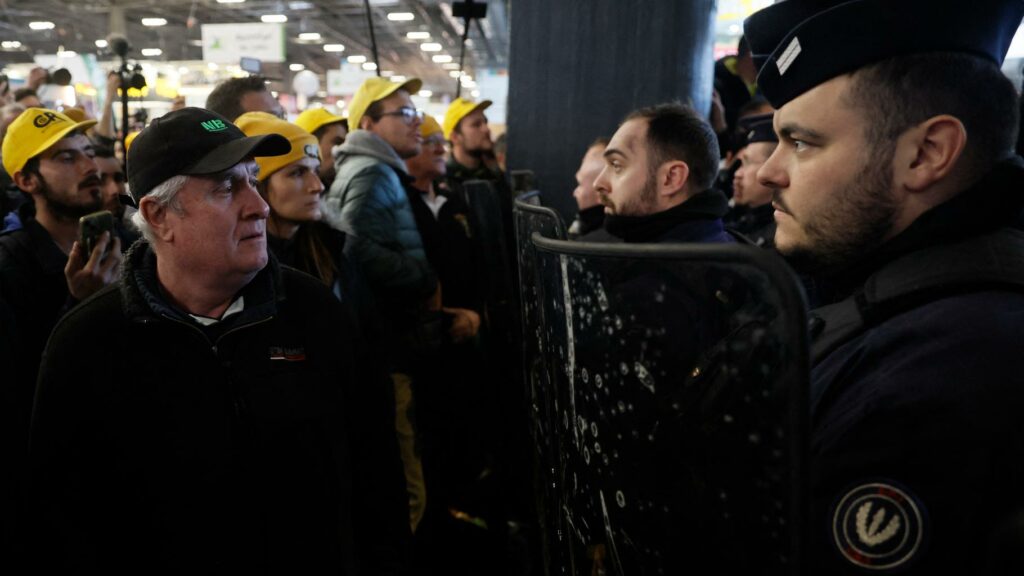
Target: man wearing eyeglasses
<point x="367" y="201"/>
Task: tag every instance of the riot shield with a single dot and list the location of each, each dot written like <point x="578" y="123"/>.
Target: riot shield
<point x="679" y="412"/>
<point x="540" y="396"/>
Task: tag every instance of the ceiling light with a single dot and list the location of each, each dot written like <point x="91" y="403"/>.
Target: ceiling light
<point x="400" y="16"/>
<point x="67" y="54"/>
<point x="309" y="36"/>
<point x="451" y="66"/>
<point x="430" y="47"/>
<point x="296" y="67"/>
<point x="356" y="59"/>
<point x="154" y="21"/>
<point x="101" y="43"/>
<point x="10" y="44"/>
<point x="418" y="35"/>
<point x="152" y="51"/>
<point x="398" y="78"/>
<point x="387" y="73"/>
<point x="455" y="73"/>
<point x="442" y="58"/>
<point x="230" y="1"/>
<point x="475" y="93"/>
<point x="369" y="66"/>
<point x="41" y="25"/>
<point x="300" y="6"/>
<point x="334" y="47"/>
<point x="274" y="18"/>
<point x="426" y="93"/>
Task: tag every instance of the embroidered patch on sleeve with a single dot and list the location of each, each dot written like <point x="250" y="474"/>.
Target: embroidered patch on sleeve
<point x="878" y="526"/>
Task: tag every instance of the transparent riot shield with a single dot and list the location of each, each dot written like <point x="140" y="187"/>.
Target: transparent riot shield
<point x="531" y="219"/>
<point x="679" y="376"/>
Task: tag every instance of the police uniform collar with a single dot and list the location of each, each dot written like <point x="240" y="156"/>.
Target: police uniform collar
<point x="799" y="44"/>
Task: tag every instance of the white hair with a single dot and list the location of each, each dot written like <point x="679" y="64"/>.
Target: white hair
<point x="164" y="194"/>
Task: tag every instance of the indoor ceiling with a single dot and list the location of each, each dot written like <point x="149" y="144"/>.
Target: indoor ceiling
<point x="78" y="24"/>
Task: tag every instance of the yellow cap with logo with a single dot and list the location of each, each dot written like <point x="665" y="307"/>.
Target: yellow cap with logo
<point x="33" y="132"/>
<point x="303" y="143"/>
<point x="429" y="126"/>
<point x="458" y="110"/>
<point x="313" y="119"/>
<point x="372" y="90"/>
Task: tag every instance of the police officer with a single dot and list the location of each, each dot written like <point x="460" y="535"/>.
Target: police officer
<point x="897" y="190"/>
<point x="752" y="214"/>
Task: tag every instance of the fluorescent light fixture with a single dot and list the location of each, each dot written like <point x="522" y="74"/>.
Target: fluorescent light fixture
<point x="418" y="35"/>
<point x="356" y="59"/>
<point x="67" y="54"/>
<point x="334" y="47"/>
<point x="387" y="73"/>
<point x="309" y="36"/>
<point x="400" y="16"/>
<point x="430" y="47"/>
<point x="154" y="21"/>
<point x="101" y="43"/>
<point x="451" y="66"/>
<point x="300" y="5"/>
<point x="41" y="25"/>
<point x="152" y="51"/>
<point x="398" y="78"/>
<point x="10" y="44"/>
<point x="455" y="73"/>
<point x="468" y="83"/>
<point x="230" y="1"/>
<point x="296" y="67"/>
<point x="475" y="93"/>
<point x="274" y="18"/>
<point x="442" y="58"/>
<point x="369" y="66"/>
<point x="426" y="93"/>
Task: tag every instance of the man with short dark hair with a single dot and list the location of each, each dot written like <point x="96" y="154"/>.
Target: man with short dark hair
<point x="898" y="191"/>
<point x="218" y="440"/>
<point x="330" y="130"/>
<point x="236" y="96"/>
<point x="655" y="184"/>
<point x="472" y="153"/>
<point x="112" y="185"/>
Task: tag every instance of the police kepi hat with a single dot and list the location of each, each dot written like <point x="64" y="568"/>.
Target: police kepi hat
<point x="758" y="128"/>
<point x="192" y="141"/>
<point x="799" y="44"/>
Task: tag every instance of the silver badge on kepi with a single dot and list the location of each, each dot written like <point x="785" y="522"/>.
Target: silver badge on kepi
<point x="878" y="526"/>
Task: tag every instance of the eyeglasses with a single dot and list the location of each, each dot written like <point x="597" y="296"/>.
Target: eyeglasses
<point x="406" y="113"/>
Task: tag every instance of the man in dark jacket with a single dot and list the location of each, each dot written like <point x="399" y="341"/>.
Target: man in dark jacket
<point x="43" y="270"/>
<point x="898" y="189"/>
<point x="752" y="213"/>
<point x="218" y="441"/>
<point x="589" y="223"/>
<point x="368" y="202"/>
<point x="655" y="183"/>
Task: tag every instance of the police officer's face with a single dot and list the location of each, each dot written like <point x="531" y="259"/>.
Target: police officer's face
<point x="834" y="198"/>
<point x="585" y="194"/>
<point x="293" y="193"/>
<point x="625" y="184"/>
<point x="747" y="191"/>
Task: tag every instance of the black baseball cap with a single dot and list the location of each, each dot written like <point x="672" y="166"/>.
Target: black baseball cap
<point x="192" y="141"/>
<point x="799" y="44"/>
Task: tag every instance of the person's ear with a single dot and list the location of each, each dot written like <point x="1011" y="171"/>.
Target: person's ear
<point x="156" y="214"/>
<point x="929" y="152"/>
<point x="365" y="123"/>
<point x="27" y="181"/>
<point x="672" y="177"/>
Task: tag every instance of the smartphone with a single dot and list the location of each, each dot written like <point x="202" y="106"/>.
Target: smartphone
<point x="91" y="227"/>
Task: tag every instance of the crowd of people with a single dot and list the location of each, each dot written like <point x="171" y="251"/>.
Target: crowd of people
<point x="283" y="357"/>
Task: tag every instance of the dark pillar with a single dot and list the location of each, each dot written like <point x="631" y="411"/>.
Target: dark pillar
<point x="578" y="67"/>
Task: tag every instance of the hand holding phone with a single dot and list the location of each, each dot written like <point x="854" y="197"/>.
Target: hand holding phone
<point x="95" y="258"/>
<point x="91" y="227"/>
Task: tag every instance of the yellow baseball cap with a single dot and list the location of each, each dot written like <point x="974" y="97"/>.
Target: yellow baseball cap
<point x="129" y="139"/>
<point x="374" y="89"/>
<point x="429" y="126"/>
<point x="33" y="132"/>
<point x="303" y="143"/>
<point x="311" y="120"/>
<point x="458" y="110"/>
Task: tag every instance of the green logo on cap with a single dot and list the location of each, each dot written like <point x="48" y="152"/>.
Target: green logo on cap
<point x="214" y="125"/>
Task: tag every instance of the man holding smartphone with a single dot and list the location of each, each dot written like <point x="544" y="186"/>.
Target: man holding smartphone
<point x="43" y="269"/>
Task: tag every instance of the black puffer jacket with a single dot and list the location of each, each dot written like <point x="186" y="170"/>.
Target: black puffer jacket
<point x="158" y="450"/>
